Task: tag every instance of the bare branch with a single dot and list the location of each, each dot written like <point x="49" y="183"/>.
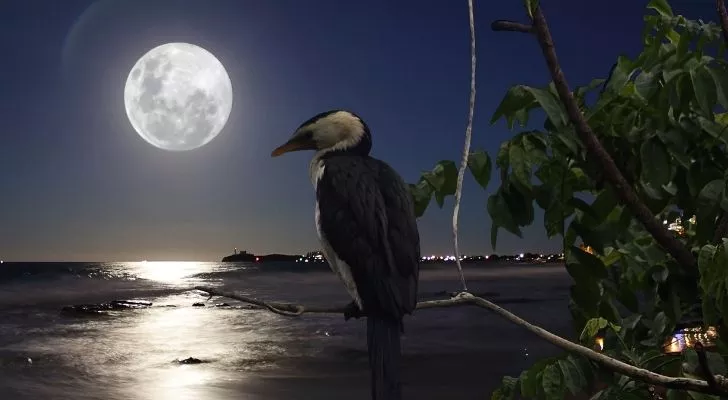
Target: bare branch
<point x="466" y="150"/>
<point x="295" y="310"/>
<point x="624" y="190"/>
<point x="465" y="298"/>
<point x="723" y="14"/>
<point x="704" y="366"/>
<point x="510" y="26"/>
<point x="722" y="229"/>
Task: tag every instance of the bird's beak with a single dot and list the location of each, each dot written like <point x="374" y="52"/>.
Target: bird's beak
<point x="298" y="142"/>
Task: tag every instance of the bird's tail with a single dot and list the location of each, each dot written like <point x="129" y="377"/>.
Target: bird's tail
<point x="383" y="341"/>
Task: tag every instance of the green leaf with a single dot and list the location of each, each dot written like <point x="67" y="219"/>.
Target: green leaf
<point x="702" y="396"/>
<point x="519" y="204"/>
<point x="552" y="385"/>
<point x="720" y="78"/>
<point x="646" y="84"/>
<point x="712" y="192"/>
<point x="592" y="327"/>
<point x="553" y="219"/>
<point x="621" y="73"/>
<point x="550" y="104"/>
<point x="530" y="382"/>
<point x="581" y="91"/>
<point x="659" y="324"/>
<point x="706" y="255"/>
<point x="586" y="263"/>
<point x="587" y="295"/>
<point x="630" y="322"/>
<point x="480" y="166"/>
<point x="676" y="394"/>
<point x="656" y="169"/>
<point x="519" y="164"/>
<point x="705" y="91"/>
<point x="443" y="180"/>
<point x="507" y="390"/>
<point x="573" y="379"/>
<point x="604" y="204"/>
<point x="661" y="6"/>
<point x="501" y="216"/>
<point x="421" y="196"/>
<point x="515" y="106"/>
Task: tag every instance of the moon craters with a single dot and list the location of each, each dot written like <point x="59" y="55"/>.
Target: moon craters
<point x="178" y="97"/>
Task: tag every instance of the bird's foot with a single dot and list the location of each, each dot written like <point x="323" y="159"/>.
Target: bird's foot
<point x="352" y="310"/>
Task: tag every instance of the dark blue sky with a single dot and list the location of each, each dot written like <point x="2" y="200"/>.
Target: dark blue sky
<point x="77" y="182"/>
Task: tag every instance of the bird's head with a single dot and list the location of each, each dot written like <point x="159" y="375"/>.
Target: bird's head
<point x="335" y="130"/>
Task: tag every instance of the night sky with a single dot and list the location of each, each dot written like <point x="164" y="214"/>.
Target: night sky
<point x="78" y="183"/>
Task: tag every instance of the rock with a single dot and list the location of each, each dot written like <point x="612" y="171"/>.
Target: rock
<point x="102" y="308"/>
<point x="189" y="360"/>
<point x="198" y="305"/>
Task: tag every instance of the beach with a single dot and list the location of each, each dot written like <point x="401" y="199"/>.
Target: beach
<point x="453" y="353"/>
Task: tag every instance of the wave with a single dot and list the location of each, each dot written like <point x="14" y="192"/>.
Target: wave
<point x="69" y="290"/>
<point x="12" y="272"/>
<point x="237" y="272"/>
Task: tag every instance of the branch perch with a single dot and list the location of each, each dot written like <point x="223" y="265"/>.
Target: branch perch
<point x="465" y="298"/>
<point x="722" y="228"/>
<point x="624" y="190"/>
<point x="502" y="25"/>
<point x="723" y="14"/>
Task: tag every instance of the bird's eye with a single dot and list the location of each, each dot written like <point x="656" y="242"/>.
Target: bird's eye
<point x="306" y="135"/>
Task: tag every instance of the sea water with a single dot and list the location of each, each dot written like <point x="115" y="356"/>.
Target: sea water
<point x="248" y="353"/>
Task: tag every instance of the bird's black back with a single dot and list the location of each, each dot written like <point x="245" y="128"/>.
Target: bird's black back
<point x="367" y="216"/>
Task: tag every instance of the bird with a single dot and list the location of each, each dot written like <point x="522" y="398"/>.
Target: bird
<point x="367" y="228"/>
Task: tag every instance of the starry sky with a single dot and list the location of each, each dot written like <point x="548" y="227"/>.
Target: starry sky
<point x="78" y="184"/>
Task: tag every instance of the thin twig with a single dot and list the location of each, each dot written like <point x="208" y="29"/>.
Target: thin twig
<point x="624" y="190"/>
<point x="723" y="14"/>
<point x="704" y="366"/>
<point x="462" y="299"/>
<point x="466" y="150"/>
<point x="722" y="229"/>
<point x="510" y="26"/>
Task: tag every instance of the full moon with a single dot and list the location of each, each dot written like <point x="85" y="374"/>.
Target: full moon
<point x="178" y="96"/>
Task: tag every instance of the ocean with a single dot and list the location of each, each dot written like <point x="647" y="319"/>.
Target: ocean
<point x="453" y="353"/>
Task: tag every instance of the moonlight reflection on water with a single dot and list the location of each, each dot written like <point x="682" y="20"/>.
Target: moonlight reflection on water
<point x="250" y="354"/>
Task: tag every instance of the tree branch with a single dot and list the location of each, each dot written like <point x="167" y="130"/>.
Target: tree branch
<point x="624" y="190"/>
<point x="465" y="298"/>
<point x="466" y="150"/>
<point x="722" y="229"/>
<point x="510" y="26"/>
<point x="723" y="14"/>
<point x="704" y="366"/>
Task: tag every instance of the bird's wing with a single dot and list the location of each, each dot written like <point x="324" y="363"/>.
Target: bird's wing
<point x="367" y="216"/>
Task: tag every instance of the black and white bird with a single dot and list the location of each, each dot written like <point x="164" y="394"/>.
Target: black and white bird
<point x="366" y="224"/>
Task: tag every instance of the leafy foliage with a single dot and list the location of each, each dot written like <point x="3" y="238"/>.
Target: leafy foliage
<point x="442" y="180"/>
<point x="662" y="118"/>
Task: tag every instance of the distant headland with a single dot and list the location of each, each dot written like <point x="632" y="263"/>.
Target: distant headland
<point x="317" y="257"/>
<point x="244" y="256"/>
